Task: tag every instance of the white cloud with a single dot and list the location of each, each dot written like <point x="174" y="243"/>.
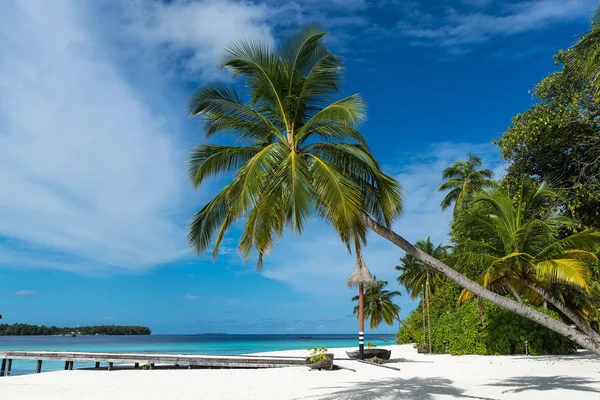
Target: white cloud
<point x="460" y="28"/>
<point x="195" y="33"/>
<point x="25" y="293"/>
<point x="191" y="297"/>
<point x="92" y="169"/>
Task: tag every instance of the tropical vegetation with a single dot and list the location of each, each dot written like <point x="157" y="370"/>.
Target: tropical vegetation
<point x="298" y="152"/>
<point x="379" y="304"/>
<point x="416" y="275"/>
<point x="462" y="179"/>
<point x="39" y="330"/>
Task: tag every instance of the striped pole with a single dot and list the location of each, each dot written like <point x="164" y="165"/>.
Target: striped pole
<point x="361" y="323"/>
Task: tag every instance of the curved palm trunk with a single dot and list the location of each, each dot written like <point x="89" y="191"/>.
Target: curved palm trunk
<point x="572" y="315"/>
<point x="581" y="339"/>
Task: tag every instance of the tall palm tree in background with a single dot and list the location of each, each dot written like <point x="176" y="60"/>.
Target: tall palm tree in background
<point x="584" y="55"/>
<point x="415" y="274"/>
<point x="379" y="305"/>
<point x="521" y="248"/>
<point x="463" y="178"/>
<point x="297" y="150"/>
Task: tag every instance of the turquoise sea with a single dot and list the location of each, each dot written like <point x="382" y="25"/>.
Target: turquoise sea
<point x="179" y="344"/>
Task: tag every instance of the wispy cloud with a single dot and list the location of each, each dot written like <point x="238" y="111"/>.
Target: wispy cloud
<point x="191" y="297"/>
<point x="91" y="161"/>
<point x="457" y="28"/>
<point x="24" y="293"/>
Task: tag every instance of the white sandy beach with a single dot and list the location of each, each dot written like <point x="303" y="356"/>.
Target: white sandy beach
<point x="420" y="377"/>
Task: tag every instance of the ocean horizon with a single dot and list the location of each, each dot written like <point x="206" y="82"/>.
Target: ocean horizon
<point x="201" y="343"/>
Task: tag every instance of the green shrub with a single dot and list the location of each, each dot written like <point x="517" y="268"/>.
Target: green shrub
<point x="502" y="332"/>
<point x="317" y="354"/>
<point x="371" y="345"/>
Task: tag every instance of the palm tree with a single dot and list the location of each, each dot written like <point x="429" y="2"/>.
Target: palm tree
<point x="463" y="178"/>
<point x="299" y="151"/>
<point x="584" y="55"/>
<point x="521" y="248"/>
<point x="379" y="304"/>
<point x="415" y="274"/>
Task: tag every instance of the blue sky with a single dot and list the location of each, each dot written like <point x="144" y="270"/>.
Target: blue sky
<point x="94" y="200"/>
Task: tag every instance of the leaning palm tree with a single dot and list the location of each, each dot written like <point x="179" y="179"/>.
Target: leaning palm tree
<point x="522" y="249"/>
<point x="463" y="178"/>
<point x="297" y="151"/>
<point x="584" y="55"/>
<point x="379" y="305"/>
<point x="415" y="274"/>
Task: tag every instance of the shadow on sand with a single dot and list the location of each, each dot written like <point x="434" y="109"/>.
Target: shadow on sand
<point x="546" y="383"/>
<point x="396" y="388"/>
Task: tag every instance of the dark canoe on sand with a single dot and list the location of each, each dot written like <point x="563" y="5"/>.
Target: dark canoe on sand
<point x="382" y="354"/>
<point x="326" y="364"/>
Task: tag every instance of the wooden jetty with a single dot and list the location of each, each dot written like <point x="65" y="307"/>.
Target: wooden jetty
<point x="149" y="359"/>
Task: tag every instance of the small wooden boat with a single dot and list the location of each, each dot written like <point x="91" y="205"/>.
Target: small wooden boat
<point x="304" y="337"/>
<point x="326" y="364"/>
<point x="384" y="339"/>
<point x="382" y="354"/>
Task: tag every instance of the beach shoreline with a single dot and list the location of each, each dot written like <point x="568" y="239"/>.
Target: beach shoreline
<point x="419" y="377"/>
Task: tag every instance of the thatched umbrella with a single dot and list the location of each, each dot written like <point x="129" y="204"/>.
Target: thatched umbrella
<point x="359" y="278"/>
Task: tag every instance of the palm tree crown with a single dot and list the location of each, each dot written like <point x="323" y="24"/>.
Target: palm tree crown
<point x="415" y="274"/>
<point x="379" y="304"/>
<point x="519" y="246"/>
<point x="297" y="150"/>
<point x="462" y="179"/>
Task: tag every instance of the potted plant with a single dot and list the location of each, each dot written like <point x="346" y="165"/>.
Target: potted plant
<point x="371" y="352"/>
<point x="318" y="358"/>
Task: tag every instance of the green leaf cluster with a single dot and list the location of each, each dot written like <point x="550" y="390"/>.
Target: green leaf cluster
<point x="462" y="330"/>
<point x="317" y="354"/>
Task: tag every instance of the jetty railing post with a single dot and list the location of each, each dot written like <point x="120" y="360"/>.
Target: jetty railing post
<point x="151" y="365"/>
<point x="3" y="368"/>
<point x="9" y="367"/>
<point x="66" y="365"/>
<point x="97" y="365"/>
<point x="38" y="367"/>
<point x="110" y="366"/>
<point x="136" y="365"/>
<point x="71" y="365"/>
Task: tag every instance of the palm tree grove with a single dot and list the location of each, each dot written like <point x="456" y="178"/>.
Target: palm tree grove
<point x="517" y="244"/>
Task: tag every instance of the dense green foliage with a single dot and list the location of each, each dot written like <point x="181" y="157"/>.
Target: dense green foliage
<point x="37" y="330"/>
<point x="465" y="331"/>
<point x="558" y="139"/>
<point x="379" y="304"/>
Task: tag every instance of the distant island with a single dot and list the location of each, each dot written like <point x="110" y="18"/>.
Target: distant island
<point x="36" y="330"/>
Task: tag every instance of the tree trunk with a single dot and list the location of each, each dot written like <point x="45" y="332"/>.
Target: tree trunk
<point x="572" y="315"/>
<point x="511" y="305"/>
